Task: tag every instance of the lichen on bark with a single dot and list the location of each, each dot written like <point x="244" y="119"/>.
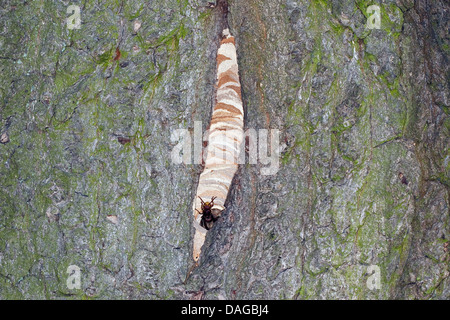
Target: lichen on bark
<point x="355" y="107"/>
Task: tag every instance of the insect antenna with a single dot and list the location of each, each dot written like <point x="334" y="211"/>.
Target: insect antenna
<point x="203" y="202"/>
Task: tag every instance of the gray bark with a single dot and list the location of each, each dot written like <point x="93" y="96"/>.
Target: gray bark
<point x="355" y="108"/>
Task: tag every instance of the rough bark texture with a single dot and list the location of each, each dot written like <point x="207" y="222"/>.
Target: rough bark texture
<point x="86" y="138"/>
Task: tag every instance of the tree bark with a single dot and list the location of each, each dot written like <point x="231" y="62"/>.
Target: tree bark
<point x="87" y="180"/>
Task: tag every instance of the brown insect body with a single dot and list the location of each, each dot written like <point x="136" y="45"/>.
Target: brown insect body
<point x="209" y="215"/>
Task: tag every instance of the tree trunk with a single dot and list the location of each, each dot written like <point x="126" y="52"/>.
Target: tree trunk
<point x="357" y="208"/>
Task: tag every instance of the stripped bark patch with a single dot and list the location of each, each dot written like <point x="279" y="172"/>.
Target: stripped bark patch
<point x="118" y="54"/>
<point x="4" y="138"/>
<point x="113" y="219"/>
